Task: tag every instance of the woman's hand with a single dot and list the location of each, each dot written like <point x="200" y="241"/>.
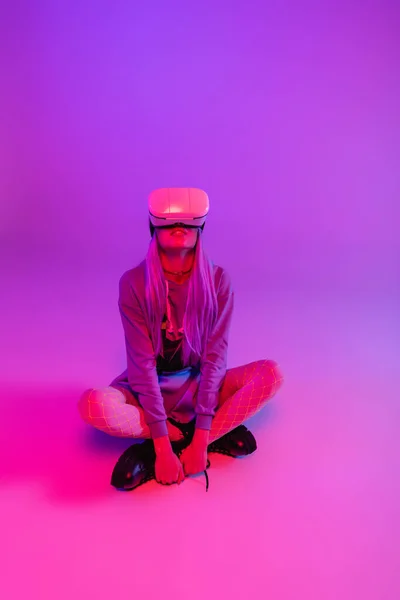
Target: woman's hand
<point x="194" y="457"/>
<point x="168" y="468"/>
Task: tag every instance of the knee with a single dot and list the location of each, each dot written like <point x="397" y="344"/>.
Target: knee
<point x="84" y="403"/>
<point x="90" y="395"/>
<point x="93" y="399"/>
<point x="272" y="367"/>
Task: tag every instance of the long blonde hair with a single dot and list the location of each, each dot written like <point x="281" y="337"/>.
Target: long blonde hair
<point x="201" y="306"/>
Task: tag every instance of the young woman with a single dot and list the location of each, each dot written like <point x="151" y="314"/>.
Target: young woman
<point x="177" y="393"/>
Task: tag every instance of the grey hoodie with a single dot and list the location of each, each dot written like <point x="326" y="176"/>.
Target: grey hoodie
<point x="167" y="387"/>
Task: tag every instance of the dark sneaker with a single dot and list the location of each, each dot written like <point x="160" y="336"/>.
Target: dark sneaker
<point x="137" y="465"/>
<point x="238" y="442"/>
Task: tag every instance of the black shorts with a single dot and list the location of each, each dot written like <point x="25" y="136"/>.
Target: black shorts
<point x="186" y="428"/>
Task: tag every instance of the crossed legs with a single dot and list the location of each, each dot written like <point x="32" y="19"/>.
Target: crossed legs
<point x="245" y="390"/>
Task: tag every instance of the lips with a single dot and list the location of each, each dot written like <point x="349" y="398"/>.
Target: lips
<point x="179" y="230"/>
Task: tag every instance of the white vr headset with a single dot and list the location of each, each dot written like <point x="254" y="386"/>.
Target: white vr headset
<point x="170" y="206"/>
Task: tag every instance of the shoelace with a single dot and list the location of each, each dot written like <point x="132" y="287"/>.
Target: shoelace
<point x="187" y="430"/>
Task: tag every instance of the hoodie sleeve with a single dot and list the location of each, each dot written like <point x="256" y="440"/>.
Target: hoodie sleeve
<point x="141" y="360"/>
<point x="213" y="365"/>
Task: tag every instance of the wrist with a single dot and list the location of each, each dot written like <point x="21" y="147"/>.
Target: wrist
<point x="162" y="445"/>
<point x="201" y="437"/>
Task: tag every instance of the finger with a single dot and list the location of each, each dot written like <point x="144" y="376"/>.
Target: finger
<point x="181" y="468"/>
<point x="181" y="476"/>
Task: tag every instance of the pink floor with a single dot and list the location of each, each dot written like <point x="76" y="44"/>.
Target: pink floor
<point x="314" y="513"/>
<point x="287" y="115"/>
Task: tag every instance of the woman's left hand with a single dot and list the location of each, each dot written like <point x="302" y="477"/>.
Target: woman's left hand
<point x="194" y="458"/>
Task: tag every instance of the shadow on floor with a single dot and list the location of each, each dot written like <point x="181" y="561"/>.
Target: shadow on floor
<point x="43" y="440"/>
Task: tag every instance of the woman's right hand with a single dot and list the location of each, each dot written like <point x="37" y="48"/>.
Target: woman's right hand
<point x="168" y="468"/>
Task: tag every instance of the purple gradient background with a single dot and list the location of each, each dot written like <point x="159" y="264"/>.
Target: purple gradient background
<point x="287" y="114"/>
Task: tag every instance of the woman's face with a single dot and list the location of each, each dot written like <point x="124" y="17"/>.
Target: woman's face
<point x="177" y="238"/>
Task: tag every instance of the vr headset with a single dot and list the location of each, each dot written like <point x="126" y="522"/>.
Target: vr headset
<point x="169" y="207"/>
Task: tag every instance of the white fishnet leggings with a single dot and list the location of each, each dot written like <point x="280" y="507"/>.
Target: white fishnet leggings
<point x="245" y="390"/>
